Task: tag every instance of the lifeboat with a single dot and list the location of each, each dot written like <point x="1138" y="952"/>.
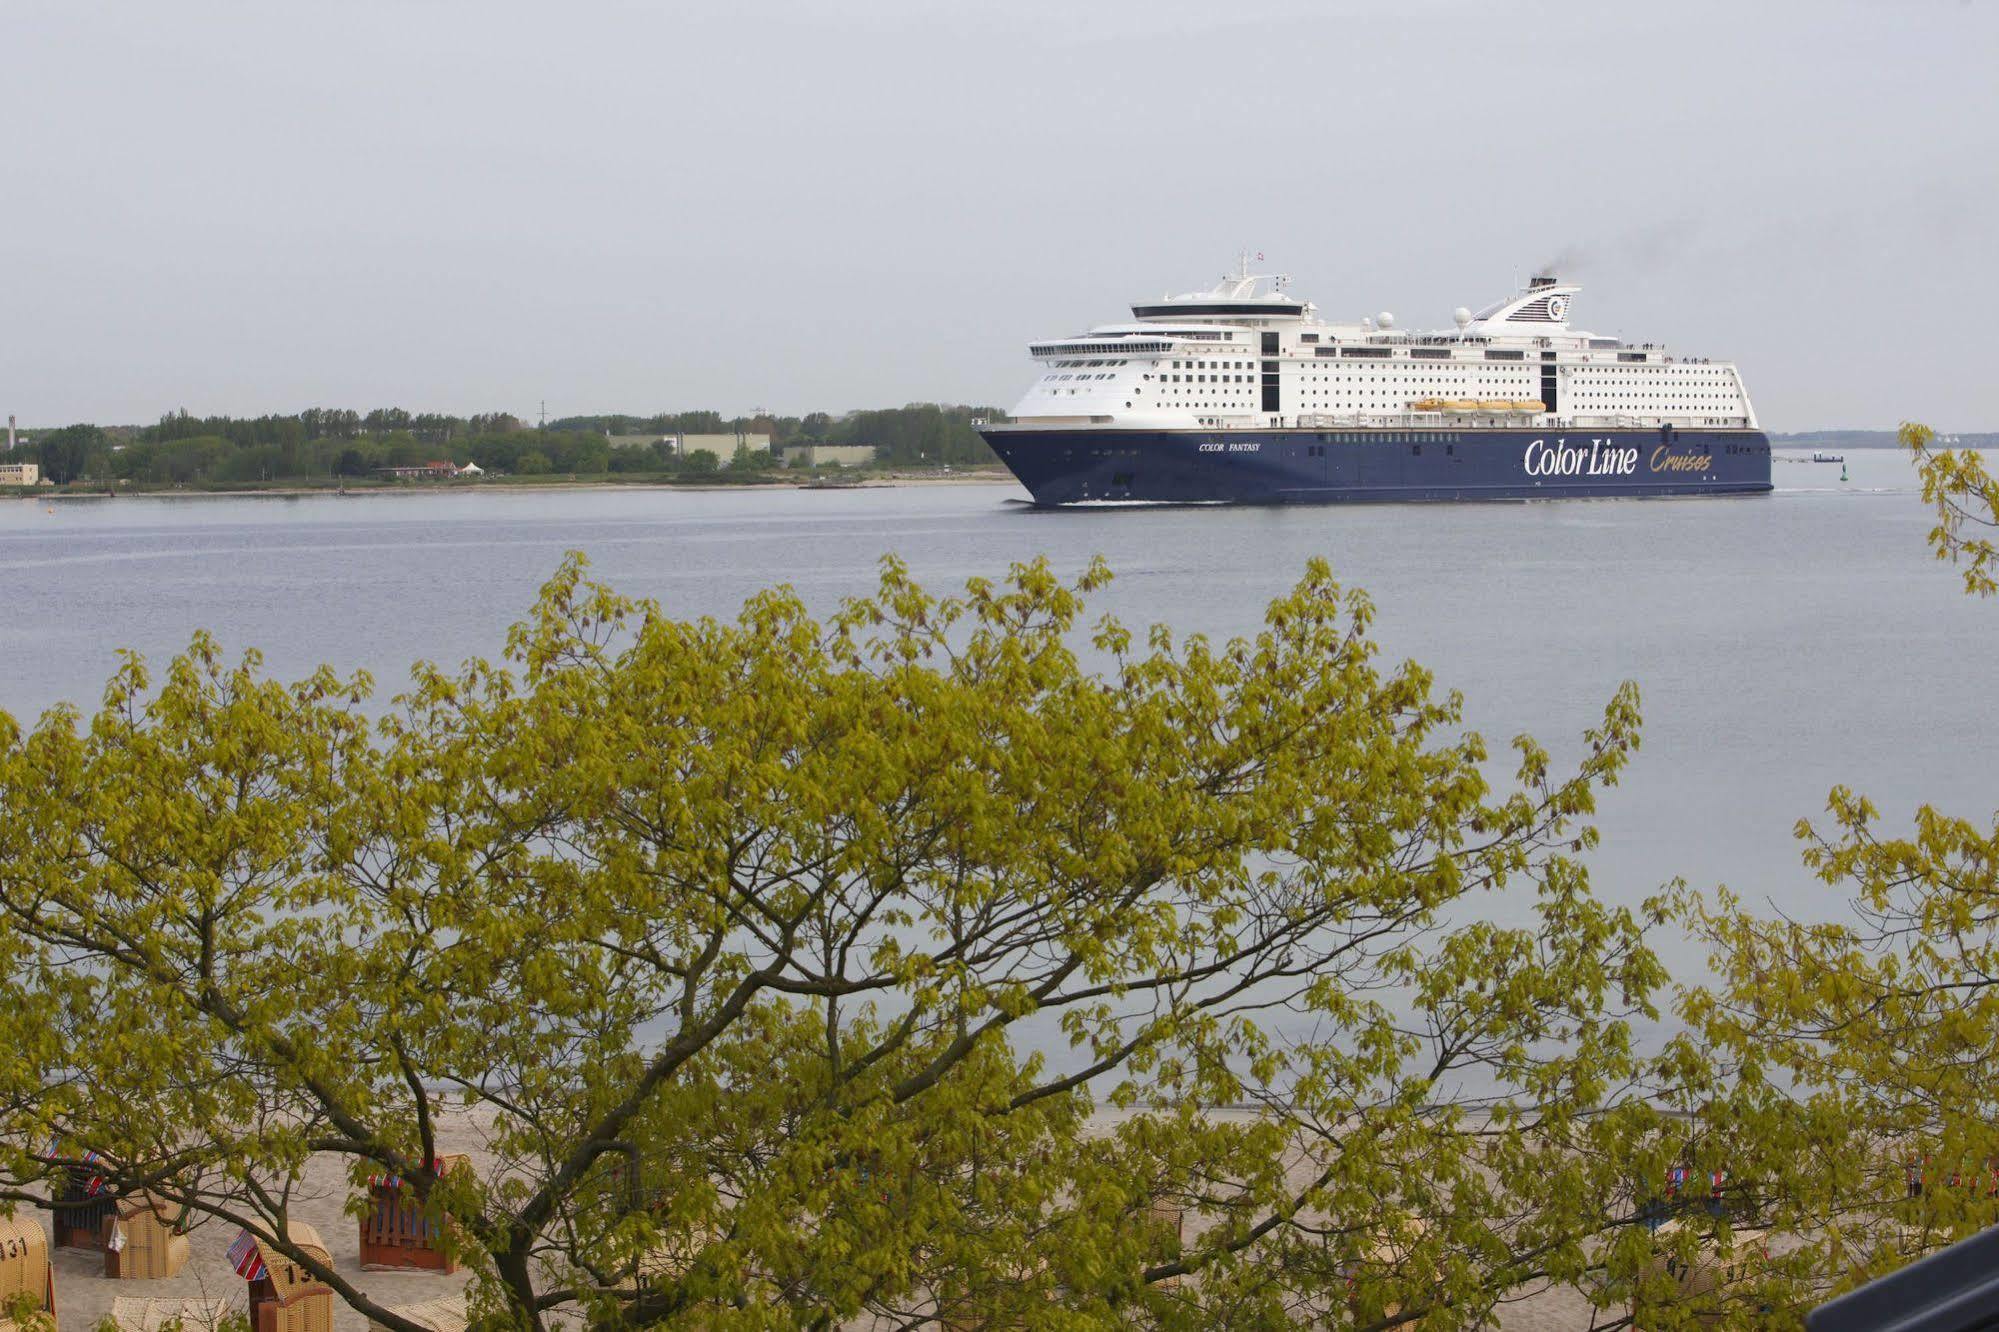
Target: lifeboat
<point x="1461" y="405"/>
<point x="1495" y="404"/>
<point x="1428" y="405"/>
<point x="1529" y="405"/>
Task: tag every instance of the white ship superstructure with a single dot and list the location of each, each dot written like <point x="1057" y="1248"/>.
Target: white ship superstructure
<point x="1247" y="354"/>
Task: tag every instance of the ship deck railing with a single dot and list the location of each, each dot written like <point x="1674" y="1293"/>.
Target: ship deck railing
<point x="1405" y="420"/>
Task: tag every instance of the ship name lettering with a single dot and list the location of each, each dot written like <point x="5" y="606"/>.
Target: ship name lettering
<point x="1598" y="458"/>
<point x="1663" y="460"/>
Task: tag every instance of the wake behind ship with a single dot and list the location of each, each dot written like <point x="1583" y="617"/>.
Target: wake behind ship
<point x="1241" y="394"/>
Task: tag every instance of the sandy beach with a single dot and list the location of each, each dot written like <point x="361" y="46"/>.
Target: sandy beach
<point x="85" y="1296"/>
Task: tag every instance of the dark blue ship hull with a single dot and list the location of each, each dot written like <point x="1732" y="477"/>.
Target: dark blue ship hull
<point x="1083" y="465"/>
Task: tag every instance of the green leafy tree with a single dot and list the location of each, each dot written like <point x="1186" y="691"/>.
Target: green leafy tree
<point x="890" y="966"/>
<point x="702" y="462"/>
<point x="583" y="453"/>
<point x="1861" y="1048"/>
<point x="1966" y="498"/>
<point x="747" y="459"/>
<point x="498" y="453"/>
<point x="68" y="452"/>
<point x="532" y="463"/>
<point x="23" y="1312"/>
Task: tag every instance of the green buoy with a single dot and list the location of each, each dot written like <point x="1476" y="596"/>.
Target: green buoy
<point x="1842" y="471"/>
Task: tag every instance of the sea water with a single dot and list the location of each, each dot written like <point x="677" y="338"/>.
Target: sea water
<point x="1783" y="643"/>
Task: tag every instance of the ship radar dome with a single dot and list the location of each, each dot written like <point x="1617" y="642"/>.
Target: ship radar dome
<point x="1385" y="319"/>
<point x="1461" y="316"/>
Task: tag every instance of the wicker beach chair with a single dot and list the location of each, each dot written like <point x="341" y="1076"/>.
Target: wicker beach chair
<point x="1715" y="1276"/>
<point x="284" y="1297"/>
<point x="83" y="1201"/>
<point x="395" y="1231"/>
<point x="144" y="1240"/>
<point x="24" y="1267"/>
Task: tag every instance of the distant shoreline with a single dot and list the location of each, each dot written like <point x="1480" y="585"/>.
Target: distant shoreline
<point x="1878" y="439"/>
<point x="877" y="481"/>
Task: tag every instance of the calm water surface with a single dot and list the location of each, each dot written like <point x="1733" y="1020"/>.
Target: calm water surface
<point x="1784" y="643"/>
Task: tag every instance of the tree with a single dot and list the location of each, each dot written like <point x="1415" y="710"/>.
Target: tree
<point x="702" y="462"/>
<point x="1863" y="1047"/>
<point x="792" y="962"/>
<point x="311" y="442"/>
<point x="532" y="463"/>
<point x="494" y="423"/>
<point x="572" y="452"/>
<point x="747" y="459"/>
<point x="1966" y="498"/>
<point x="67" y="452"/>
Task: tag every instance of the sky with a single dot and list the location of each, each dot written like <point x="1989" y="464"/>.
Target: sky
<point x="248" y="206"/>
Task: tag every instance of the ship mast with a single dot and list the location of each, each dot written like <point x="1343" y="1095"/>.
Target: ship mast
<point x="1242" y="282"/>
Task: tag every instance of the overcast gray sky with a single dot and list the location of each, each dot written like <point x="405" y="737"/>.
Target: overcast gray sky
<point x="241" y="207"/>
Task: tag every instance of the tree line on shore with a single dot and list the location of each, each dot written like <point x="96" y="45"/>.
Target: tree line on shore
<point x="325" y="443"/>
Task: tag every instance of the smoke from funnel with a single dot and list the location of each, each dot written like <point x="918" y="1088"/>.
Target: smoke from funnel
<point x="1659" y="245"/>
<point x="1567" y="260"/>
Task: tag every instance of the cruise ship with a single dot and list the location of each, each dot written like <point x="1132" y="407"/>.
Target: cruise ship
<point x="1243" y="394"/>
